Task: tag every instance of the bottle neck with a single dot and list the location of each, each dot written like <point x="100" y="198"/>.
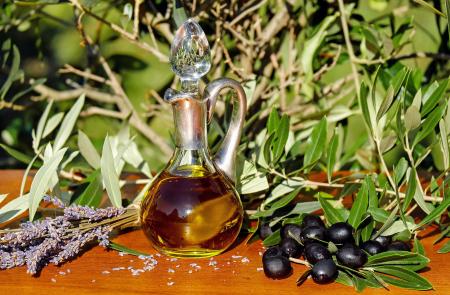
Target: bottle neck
<point x="191" y="156"/>
<point x="190" y="123"/>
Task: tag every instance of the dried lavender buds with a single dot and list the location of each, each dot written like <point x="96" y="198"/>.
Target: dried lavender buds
<point x="57" y="240"/>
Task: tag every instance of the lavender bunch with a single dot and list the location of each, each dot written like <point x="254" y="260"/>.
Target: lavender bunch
<point x="57" y="240"/>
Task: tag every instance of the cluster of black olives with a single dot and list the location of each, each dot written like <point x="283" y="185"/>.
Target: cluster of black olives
<point x="318" y="244"/>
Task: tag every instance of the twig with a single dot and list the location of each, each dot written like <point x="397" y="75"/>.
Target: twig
<point x="300" y="261"/>
<point x="70" y="69"/>
<point x="47" y="92"/>
<point x="246" y="12"/>
<point x="132" y="38"/>
<point x="9" y="105"/>
<point x="348" y="44"/>
<point x="91" y="111"/>
<point x="278" y="22"/>
<point x="137" y="4"/>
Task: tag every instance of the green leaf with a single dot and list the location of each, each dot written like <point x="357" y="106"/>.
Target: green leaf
<point x="403" y="278"/>
<point x="429" y="124"/>
<point x="127" y="250"/>
<point x="360" y="205"/>
<point x="418" y="247"/>
<point x="179" y="14"/>
<point x="109" y="174"/>
<point x="430" y="7"/>
<point x="447" y="6"/>
<point x="445" y="248"/>
<point x="444" y="144"/>
<point x="359" y="283"/>
<point x="332" y="155"/>
<point x="315" y="144"/>
<point x="41" y="125"/>
<point x="88" y="150"/>
<point x="332" y="215"/>
<point x="254" y="184"/>
<point x="14" y="208"/>
<point x="387" y="103"/>
<point x="25" y="174"/>
<point x="398" y="226"/>
<point x="41" y="181"/>
<point x="400" y="170"/>
<point x="436" y="212"/>
<point x="273" y="121"/>
<point x="273" y="239"/>
<point x="344" y="279"/>
<point x="280" y="140"/>
<point x="278" y="204"/>
<point x="12" y="72"/>
<point x="430" y="100"/>
<point x="410" y="190"/>
<point x="396" y="257"/>
<point x="68" y="123"/>
<point x="92" y="195"/>
<point x="388" y="222"/>
<point x="52" y="123"/>
<point x="379" y="214"/>
<point x="366" y="231"/>
<point x="363" y="102"/>
<point x="19" y="156"/>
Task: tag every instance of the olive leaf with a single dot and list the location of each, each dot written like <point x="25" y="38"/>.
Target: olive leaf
<point x="315" y="144"/>
<point x="93" y="193"/>
<point x="88" y="150"/>
<point x="68" y="123"/>
<point x="445" y="248"/>
<point x="109" y="174"/>
<point x="331" y="153"/>
<point x="42" y="181"/>
<point x="14" y="208"/>
<point x="402" y="277"/>
<point x="332" y="215"/>
<point x="360" y="204"/>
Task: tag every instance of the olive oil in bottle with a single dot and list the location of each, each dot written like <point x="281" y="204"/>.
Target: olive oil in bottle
<point x="196" y="216"/>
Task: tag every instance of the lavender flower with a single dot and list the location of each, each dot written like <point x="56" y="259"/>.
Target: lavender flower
<point x="84" y="212"/>
<point x="54" y="200"/>
<point x="75" y="245"/>
<point x="39" y="256"/>
<point x="56" y="240"/>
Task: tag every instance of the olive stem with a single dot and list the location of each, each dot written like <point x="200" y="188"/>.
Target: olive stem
<point x="300" y="261"/>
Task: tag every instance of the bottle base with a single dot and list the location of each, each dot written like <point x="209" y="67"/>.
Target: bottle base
<point x="189" y="253"/>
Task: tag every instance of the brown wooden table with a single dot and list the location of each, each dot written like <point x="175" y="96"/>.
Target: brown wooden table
<point x="238" y="271"/>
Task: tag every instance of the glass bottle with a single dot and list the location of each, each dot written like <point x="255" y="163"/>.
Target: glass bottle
<point x="192" y="208"/>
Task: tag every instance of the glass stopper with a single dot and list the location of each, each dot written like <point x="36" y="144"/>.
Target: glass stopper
<point x="190" y="56"/>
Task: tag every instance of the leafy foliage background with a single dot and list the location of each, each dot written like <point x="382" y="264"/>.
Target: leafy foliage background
<point x="332" y="85"/>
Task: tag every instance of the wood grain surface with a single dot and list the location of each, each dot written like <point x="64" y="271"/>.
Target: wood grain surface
<point x="238" y="271"/>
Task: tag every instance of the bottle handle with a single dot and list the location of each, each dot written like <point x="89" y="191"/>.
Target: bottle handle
<point x="225" y="157"/>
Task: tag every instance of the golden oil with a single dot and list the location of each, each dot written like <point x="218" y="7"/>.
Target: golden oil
<point x="195" y="215"/>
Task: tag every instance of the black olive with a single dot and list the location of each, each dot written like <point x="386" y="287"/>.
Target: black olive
<point x="291" y="247"/>
<point x="312" y="220"/>
<point x="351" y="256"/>
<point x="340" y="233"/>
<point x="372" y="247"/>
<point x="315" y="252"/>
<point x="265" y="231"/>
<point x="383" y="240"/>
<point x="398" y="246"/>
<point x="273" y="251"/>
<point x="278" y="267"/>
<point x="313" y="234"/>
<point x="324" y="271"/>
<point x="293" y="229"/>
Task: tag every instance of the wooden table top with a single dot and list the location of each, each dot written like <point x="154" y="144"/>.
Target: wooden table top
<point x="238" y="271"/>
